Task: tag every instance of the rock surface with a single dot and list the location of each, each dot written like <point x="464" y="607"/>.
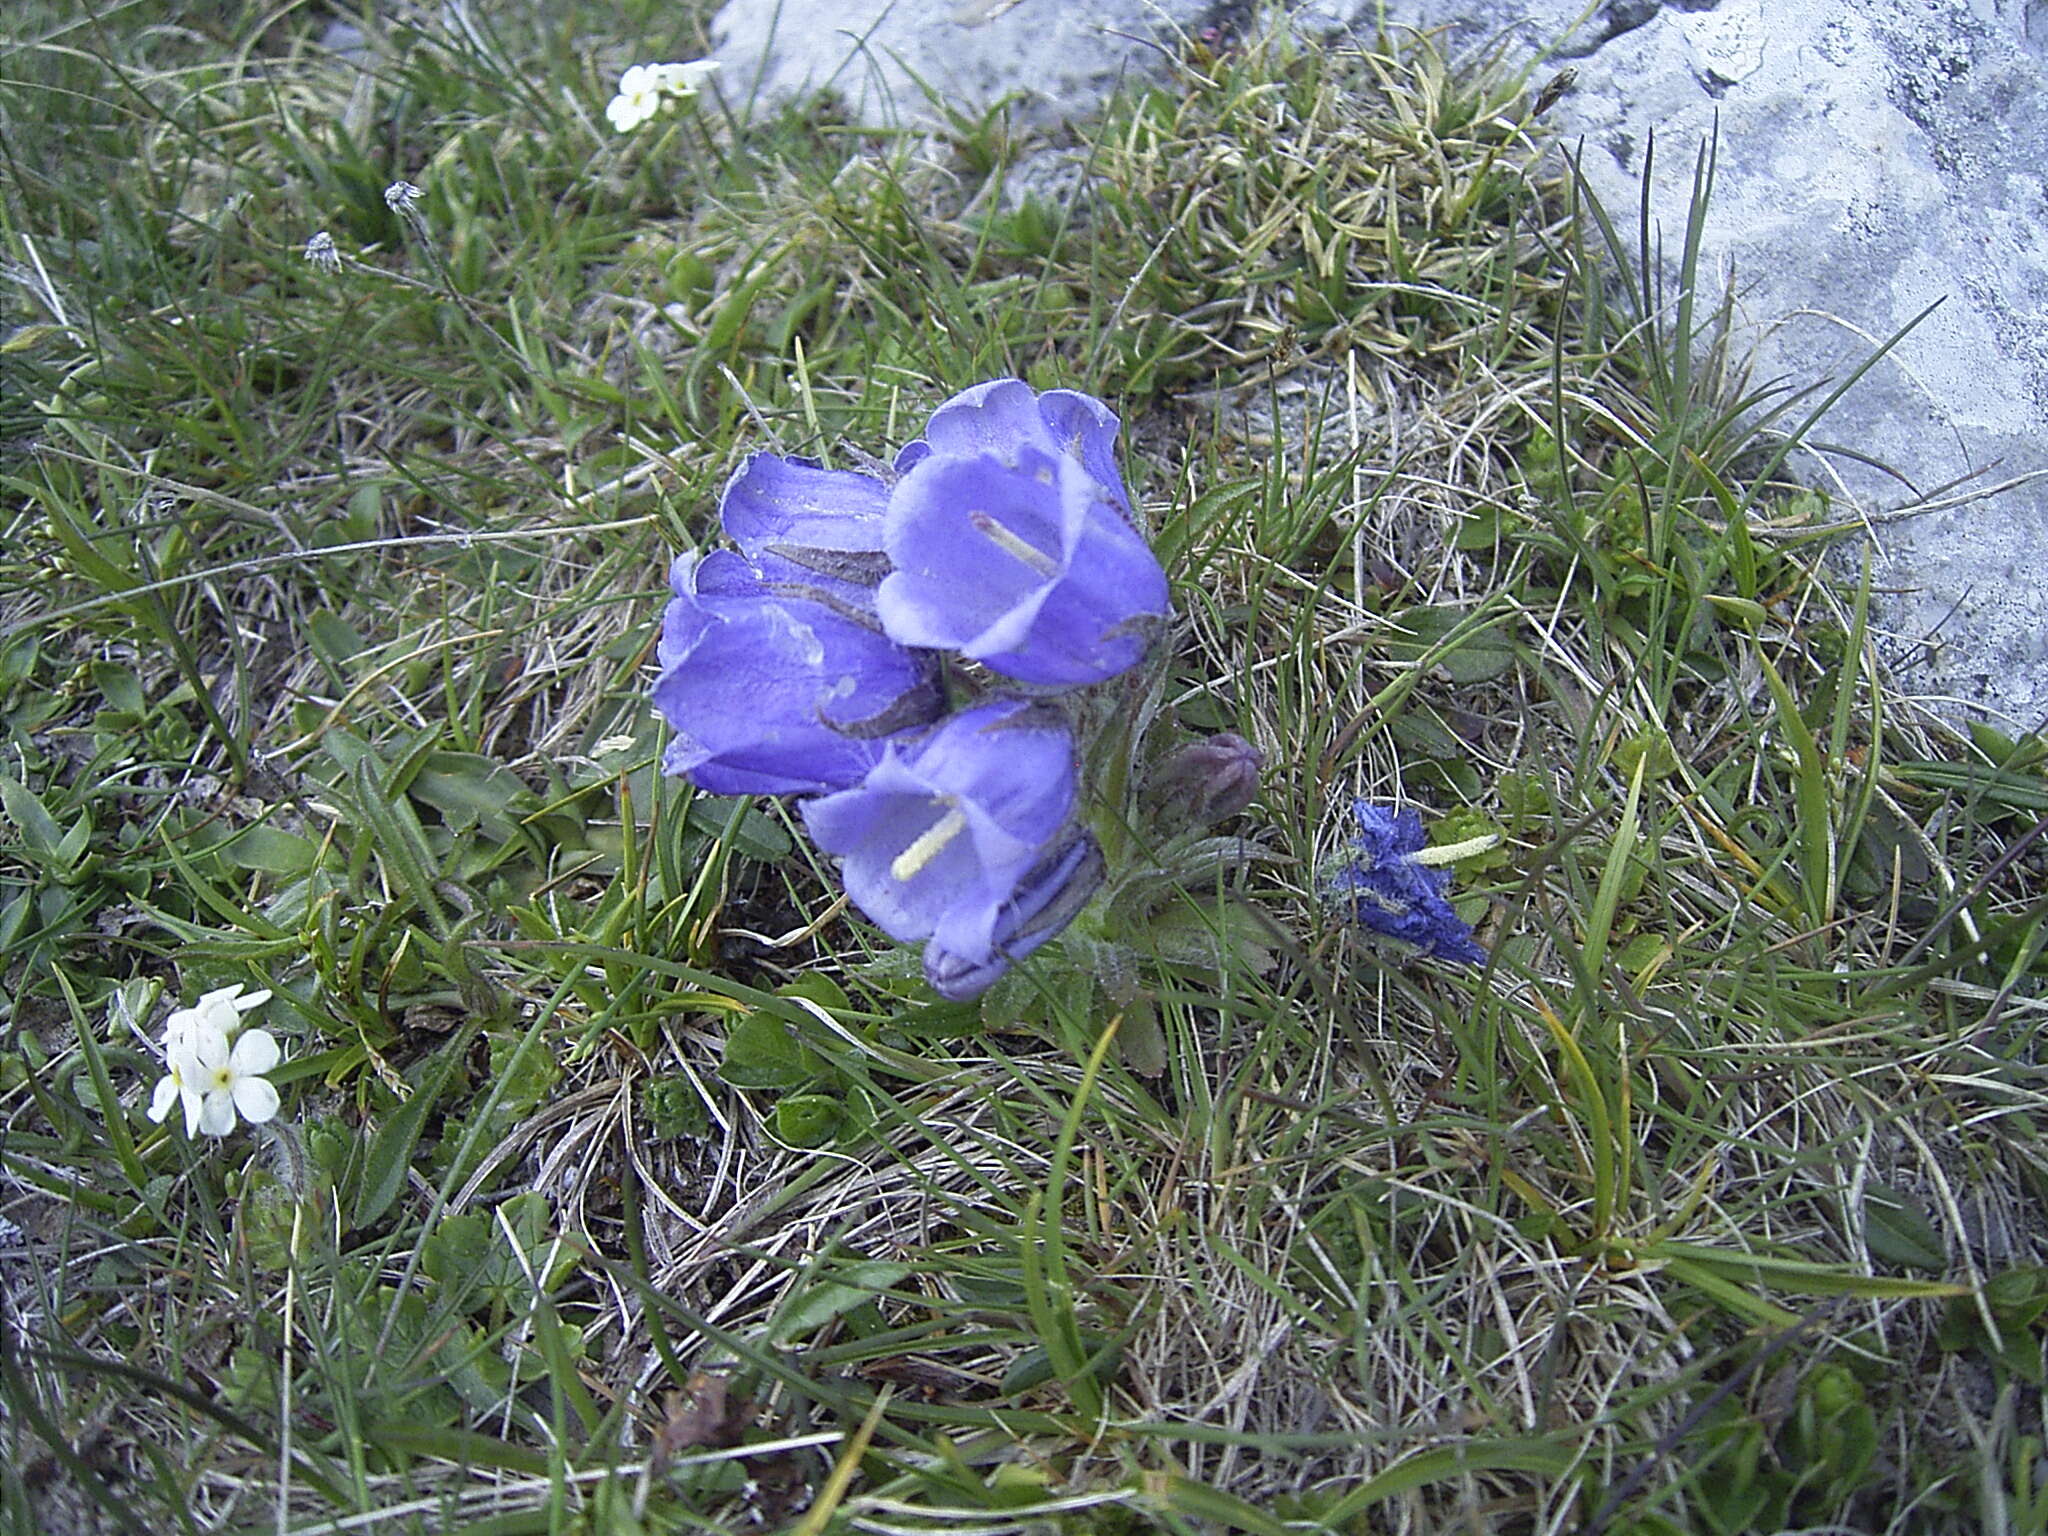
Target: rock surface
<point x="1872" y="160"/>
<point x="883" y="56"/>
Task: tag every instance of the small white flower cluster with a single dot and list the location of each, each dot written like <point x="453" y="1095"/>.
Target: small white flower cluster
<point x="216" y="1065"/>
<point x="646" y="90"/>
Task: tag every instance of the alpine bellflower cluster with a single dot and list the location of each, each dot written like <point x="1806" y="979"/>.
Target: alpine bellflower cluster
<point x="812" y="662"/>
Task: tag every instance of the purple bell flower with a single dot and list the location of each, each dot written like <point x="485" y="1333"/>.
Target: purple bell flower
<point x="1049" y="897"/>
<point x="1003" y="416"/>
<point x="937" y="839"/>
<point x="807" y="526"/>
<point x="1395" y="892"/>
<point x="771" y="692"/>
<point x="1021" y="563"/>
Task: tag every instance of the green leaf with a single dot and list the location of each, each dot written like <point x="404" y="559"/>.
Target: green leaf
<point x="1212" y="937"/>
<point x="1140" y="1039"/>
<point x="269" y="851"/>
<point x="18" y="653"/>
<point x="1480" y="528"/>
<point x="39" y="829"/>
<point x="1469" y="648"/>
<point x="460" y="1447"/>
<point x="1799" y="1276"/>
<point x="1103" y="1357"/>
<point x="397" y="836"/>
<point x="526" y="1077"/>
<point x="391" y="1152"/>
<point x="334" y="641"/>
<point x="1422" y="731"/>
<point x="854" y="1286"/>
<point x="737" y="304"/>
<point x="754" y="836"/>
<point x="808" y="1119"/>
<point x="474" y="793"/>
<point x="1896" y="1229"/>
<point x="760" y="1052"/>
<point x="120" y="687"/>
<point x="1451" y="1462"/>
<point x="459" y="1247"/>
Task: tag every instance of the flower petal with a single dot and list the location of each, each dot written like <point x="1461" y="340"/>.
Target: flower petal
<point x="205" y="1051"/>
<point x="1393" y="894"/>
<point x="217" y="1113"/>
<point x="255" y="1053"/>
<point x="255" y="1098"/>
<point x="166" y="1095"/>
<point x="997" y="417"/>
<point x="975" y="546"/>
<point x="773" y="502"/>
<point x="1086" y="430"/>
<point x="1004" y="418"/>
<point x="1028" y="569"/>
<point x="1045" y="900"/>
<point x="776" y="695"/>
<point x="935" y="839"/>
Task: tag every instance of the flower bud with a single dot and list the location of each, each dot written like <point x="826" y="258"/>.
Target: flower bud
<point x="1205" y="782"/>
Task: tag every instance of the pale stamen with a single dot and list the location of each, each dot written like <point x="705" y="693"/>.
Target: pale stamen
<point x="1450" y="853"/>
<point x="1013" y="546"/>
<point x="928" y="846"/>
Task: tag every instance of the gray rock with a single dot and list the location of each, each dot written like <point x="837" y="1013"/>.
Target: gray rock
<point x="1872" y="159"/>
<point x="896" y="57"/>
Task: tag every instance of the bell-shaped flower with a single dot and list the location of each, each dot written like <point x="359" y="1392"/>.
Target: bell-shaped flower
<point x="1021" y="563"/>
<point x="1048" y="897"/>
<point x="936" y="840"/>
<point x="806" y="526"/>
<point x="1003" y="417"/>
<point x="1396" y="890"/>
<point x="773" y="693"/>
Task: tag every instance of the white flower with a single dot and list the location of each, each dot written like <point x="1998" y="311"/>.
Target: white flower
<point x="400" y="196"/>
<point x="646" y="89"/>
<point x="227" y="1080"/>
<point x="219" y="1012"/>
<point x="174" y="1086"/>
<point x="208" y="1076"/>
